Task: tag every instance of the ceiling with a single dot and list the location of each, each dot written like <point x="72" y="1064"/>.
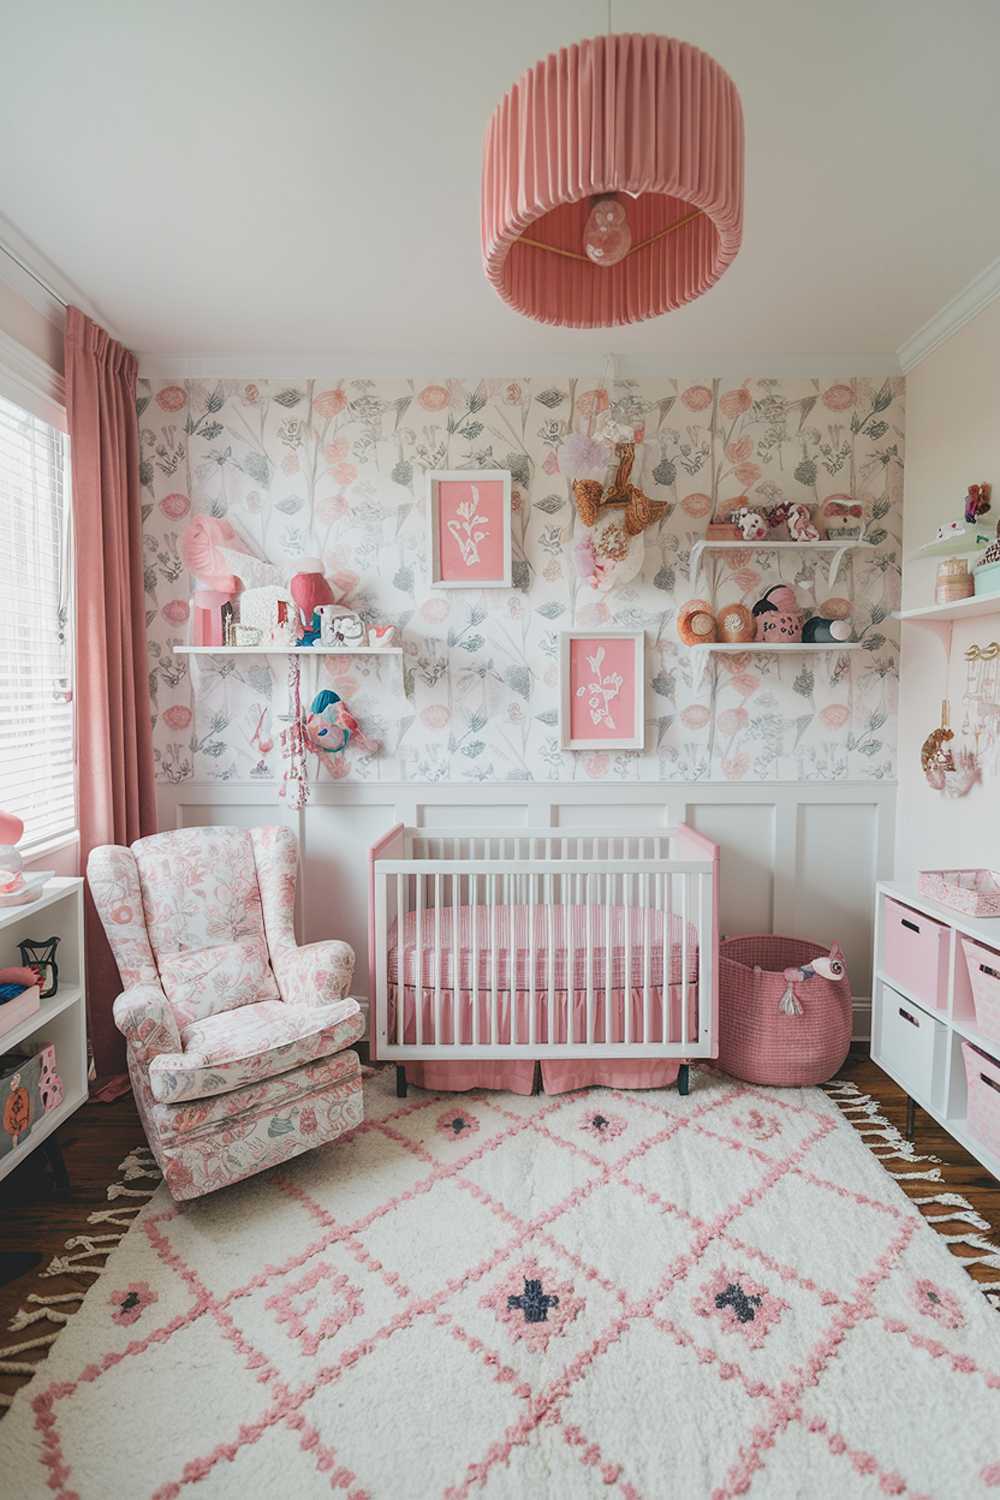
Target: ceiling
<point x="258" y="183"/>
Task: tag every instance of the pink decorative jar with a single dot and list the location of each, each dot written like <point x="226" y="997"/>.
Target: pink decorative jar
<point x="761" y="1039"/>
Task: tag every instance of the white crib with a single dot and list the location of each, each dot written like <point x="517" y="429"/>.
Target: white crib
<point x="543" y="944"/>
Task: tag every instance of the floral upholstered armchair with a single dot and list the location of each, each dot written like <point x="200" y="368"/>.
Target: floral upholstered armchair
<point x="236" y="1035"/>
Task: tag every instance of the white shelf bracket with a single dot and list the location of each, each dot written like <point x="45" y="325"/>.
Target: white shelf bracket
<point x="835" y="565"/>
<point x="697" y="553"/>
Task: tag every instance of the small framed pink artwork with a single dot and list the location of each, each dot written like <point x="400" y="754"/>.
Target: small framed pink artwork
<point x="603" y="690"/>
<point x="470" y="529"/>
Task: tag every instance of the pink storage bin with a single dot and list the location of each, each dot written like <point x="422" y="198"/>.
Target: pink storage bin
<point x="758" y="1041"/>
<point x="915" y="954"/>
<point x="984" y="976"/>
<point x="982" y="1077"/>
<point x="974" y="892"/>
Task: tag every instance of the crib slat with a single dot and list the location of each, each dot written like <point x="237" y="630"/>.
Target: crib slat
<point x="668" y="953"/>
<point x="700" y="885"/>
<point x="474" y="905"/>
<point x="510" y="899"/>
<point x="684" y="956"/>
<point x="418" y="960"/>
<point x="437" y="960"/>
<point x="550" y="955"/>
<point x="627" y="917"/>
<point x="590" y="961"/>
<point x="400" y="956"/>
<point x="456" y="949"/>
<point x="608" y="881"/>
<point x="645" y="958"/>
<point x="532" y="997"/>
<point x="494" y="976"/>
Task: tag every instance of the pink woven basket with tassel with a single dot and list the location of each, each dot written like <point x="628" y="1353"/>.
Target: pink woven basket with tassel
<point x="778" y="1029"/>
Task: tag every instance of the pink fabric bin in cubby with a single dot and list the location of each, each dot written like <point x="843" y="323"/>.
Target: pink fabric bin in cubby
<point x="984" y="976"/>
<point x="758" y="1041"/>
<point x="982" y="1077"/>
<point x="915" y="954"/>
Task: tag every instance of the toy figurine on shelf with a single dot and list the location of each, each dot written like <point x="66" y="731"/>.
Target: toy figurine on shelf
<point x="977" y="501"/>
<point x="753" y="527"/>
<point x="778" y="616"/>
<point x="330" y="726"/>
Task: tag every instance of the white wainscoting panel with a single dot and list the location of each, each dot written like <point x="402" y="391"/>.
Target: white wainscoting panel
<point x="797" y="858"/>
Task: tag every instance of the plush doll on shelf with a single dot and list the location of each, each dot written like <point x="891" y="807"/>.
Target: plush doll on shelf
<point x="778" y="616"/>
<point x="977" y="501"/>
<point x="330" y="726"/>
<point x="753" y="527"/>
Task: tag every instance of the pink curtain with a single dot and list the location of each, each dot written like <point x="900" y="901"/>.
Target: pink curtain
<point x="116" y="790"/>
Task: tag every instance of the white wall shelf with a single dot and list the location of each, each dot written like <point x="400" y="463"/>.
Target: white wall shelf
<point x="288" y="650"/>
<point x="704" y="652"/>
<point x="945" y="1100"/>
<point x="965" y="544"/>
<point x="61" y="1020"/>
<point x="941" y="619"/>
<point x="839" y="548"/>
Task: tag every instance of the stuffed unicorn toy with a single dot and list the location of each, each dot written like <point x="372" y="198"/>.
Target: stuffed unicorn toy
<point x="829" y="966"/>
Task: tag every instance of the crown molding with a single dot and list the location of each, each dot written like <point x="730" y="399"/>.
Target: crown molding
<point x="970" y="301"/>
<point x="31" y="383"/>
<point x="40" y="283"/>
<point x="264" y="365"/>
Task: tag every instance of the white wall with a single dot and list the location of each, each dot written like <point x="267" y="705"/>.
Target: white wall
<point x="796" y="859"/>
<point x="952" y="439"/>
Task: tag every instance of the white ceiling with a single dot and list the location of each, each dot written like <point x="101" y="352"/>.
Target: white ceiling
<point x="297" y="181"/>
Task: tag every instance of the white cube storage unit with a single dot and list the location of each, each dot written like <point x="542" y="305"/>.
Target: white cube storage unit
<point x="62" y="1019"/>
<point x="924" y="1011"/>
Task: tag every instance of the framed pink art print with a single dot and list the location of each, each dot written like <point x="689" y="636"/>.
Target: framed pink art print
<point x="603" y="690"/>
<point x="470" y="529"/>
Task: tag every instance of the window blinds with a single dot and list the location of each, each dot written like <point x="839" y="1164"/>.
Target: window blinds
<point x="37" y="771"/>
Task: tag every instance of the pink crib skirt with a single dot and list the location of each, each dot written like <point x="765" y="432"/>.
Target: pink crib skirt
<point x="568" y="942"/>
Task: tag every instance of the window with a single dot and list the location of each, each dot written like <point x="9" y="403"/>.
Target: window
<point x="37" y="772"/>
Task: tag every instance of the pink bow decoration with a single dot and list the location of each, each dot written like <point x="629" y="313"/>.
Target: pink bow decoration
<point x="837" y="508"/>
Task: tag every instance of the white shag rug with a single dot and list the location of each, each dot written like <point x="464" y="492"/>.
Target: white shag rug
<point x="599" y="1294"/>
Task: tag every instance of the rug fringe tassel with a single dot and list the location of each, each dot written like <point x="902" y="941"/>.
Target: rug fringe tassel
<point x="50" y="1307"/>
<point x="887" y="1143"/>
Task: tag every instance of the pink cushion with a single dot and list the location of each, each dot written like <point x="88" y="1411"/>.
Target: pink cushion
<point x="225" y="1051"/>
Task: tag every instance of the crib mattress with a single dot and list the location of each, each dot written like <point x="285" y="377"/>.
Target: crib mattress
<point x="505" y="928"/>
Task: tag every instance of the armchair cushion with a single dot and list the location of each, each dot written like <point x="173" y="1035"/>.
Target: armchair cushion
<point x="226" y="1051"/>
<point x="202" y="907"/>
<point x="316" y="974"/>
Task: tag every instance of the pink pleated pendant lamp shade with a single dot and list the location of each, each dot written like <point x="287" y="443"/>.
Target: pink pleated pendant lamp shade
<point x="653" y="122"/>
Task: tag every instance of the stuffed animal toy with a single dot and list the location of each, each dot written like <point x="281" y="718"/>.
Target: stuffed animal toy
<point x="330" y="726"/>
<point x="831" y="966"/>
<point x="753" y="527"/>
<point x="819" y="629"/>
<point x="778" y="617"/>
<point x="977" y="501"/>
<point x="696" y="623"/>
<point x="843" y="517"/>
<point x="800" y="524"/>
<point x="639" y="511"/>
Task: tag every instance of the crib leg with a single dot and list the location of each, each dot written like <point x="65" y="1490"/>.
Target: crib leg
<point x="684" y="1079"/>
<point x="400" y="1082"/>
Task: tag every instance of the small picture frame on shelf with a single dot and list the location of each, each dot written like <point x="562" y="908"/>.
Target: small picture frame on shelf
<point x="602" y="690"/>
<point x="470" y="532"/>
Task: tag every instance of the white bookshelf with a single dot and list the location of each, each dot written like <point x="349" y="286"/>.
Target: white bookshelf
<point x="944" y="1097"/>
<point x="61" y="1020"/>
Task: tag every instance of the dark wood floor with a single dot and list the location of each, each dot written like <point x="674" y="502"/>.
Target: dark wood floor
<point x="36" y="1219"/>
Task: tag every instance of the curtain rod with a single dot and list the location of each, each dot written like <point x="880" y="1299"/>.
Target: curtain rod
<point x="33" y="274"/>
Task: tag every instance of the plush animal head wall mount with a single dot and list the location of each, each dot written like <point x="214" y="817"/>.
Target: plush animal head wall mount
<point x="639" y="509"/>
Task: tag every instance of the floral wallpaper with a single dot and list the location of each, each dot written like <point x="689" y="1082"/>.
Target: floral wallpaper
<point x="338" y="467"/>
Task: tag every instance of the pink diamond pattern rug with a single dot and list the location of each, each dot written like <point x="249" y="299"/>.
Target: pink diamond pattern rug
<point x="600" y="1294"/>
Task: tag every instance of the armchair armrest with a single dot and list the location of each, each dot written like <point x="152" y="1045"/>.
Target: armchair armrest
<point x="316" y="974"/>
<point x="143" y="1015"/>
